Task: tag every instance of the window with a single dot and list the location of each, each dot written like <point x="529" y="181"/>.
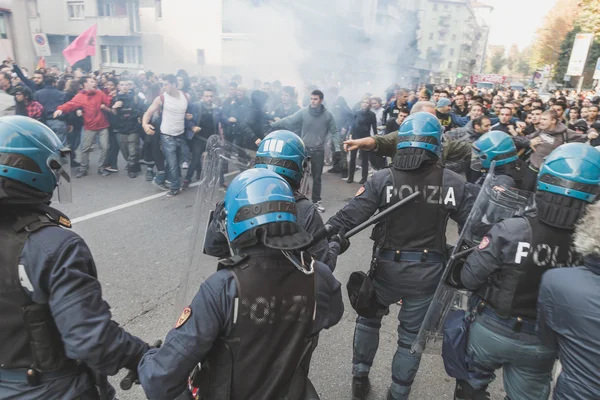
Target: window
<point x="75" y="9"/>
<point x="431" y="36"/>
<point x="445" y="6"/>
<point x="112" y="8"/>
<point x="158" y="6"/>
<point x="435" y="7"/>
<point x="3" y="31"/>
<point x="104" y="56"/>
<point x="449" y="64"/>
<point x="113" y="55"/>
<point x="442" y="35"/>
<point x="451" y="52"/>
<point x="453" y="38"/>
<point x="105" y="8"/>
<point x="200" y="57"/>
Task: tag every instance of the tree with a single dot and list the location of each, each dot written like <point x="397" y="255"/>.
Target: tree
<point x="497" y="61"/>
<point x="589" y="16"/>
<point x="513" y="58"/>
<point x="522" y="66"/>
<point x="588" y="20"/>
<point x="556" y="24"/>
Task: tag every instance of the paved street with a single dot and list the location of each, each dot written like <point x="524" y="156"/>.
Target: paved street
<point x="140" y="250"/>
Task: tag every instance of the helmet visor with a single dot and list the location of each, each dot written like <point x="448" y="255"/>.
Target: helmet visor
<point x="61" y="168"/>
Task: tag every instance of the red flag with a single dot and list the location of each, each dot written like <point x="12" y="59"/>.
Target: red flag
<point x="84" y="45"/>
<point x="41" y="63"/>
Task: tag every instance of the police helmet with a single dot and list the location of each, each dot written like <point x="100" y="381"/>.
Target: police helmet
<point x="421" y="130"/>
<point x="32" y="154"/>
<point x="260" y="207"/>
<point x="283" y="152"/>
<point x="493" y="146"/>
<point x="571" y="170"/>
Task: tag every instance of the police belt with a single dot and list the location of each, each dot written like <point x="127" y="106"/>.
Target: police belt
<point x="412" y="256"/>
<point x="34" y="377"/>
<point x="517" y="324"/>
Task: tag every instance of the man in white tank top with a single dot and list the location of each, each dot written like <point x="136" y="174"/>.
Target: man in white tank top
<point x="173" y="105"/>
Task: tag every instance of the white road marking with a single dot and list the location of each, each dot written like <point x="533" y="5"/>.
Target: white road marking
<point x="130" y="204"/>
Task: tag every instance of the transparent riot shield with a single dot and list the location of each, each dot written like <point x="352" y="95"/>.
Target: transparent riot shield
<point x="306" y="182"/>
<point x="495" y="202"/>
<point x="221" y="162"/>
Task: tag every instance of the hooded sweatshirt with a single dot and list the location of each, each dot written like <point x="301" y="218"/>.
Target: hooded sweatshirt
<point x="551" y="139"/>
<point x="316" y="123"/>
<point x="89" y="101"/>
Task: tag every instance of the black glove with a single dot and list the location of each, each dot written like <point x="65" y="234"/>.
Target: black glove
<point x="132" y="376"/>
<point x="340" y="238"/>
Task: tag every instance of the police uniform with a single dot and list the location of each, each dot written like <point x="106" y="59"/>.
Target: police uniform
<point x="409" y="253"/>
<point x="253" y="325"/>
<point x="505" y="273"/>
<point x="308" y="217"/>
<point x="57" y="332"/>
<point x="284" y="153"/>
<point x="232" y="317"/>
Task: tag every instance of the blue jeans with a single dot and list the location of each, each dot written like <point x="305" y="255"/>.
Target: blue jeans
<point x="526" y="363"/>
<point x="60" y="128"/>
<point x="173" y="149"/>
<point x="404" y="365"/>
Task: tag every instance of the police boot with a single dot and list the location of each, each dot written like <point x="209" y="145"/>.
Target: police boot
<point x="464" y="391"/>
<point x="360" y="387"/>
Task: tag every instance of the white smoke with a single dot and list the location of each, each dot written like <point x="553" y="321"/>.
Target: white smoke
<point x="343" y="43"/>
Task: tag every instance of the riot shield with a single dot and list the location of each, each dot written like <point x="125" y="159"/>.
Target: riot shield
<point x="306" y="182"/>
<point x="495" y="202"/>
<point x="221" y="162"/>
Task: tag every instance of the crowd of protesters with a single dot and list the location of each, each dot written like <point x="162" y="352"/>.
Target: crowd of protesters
<point x="163" y="121"/>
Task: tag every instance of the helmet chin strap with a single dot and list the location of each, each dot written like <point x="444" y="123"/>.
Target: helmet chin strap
<point x="307" y="269"/>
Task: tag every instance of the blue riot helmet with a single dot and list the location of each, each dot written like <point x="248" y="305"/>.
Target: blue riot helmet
<point x="493" y="146"/>
<point x="260" y="207"/>
<point x="283" y="152"/>
<point x="421" y="130"/>
<point x="571" y="170"/>
<point x="31" y="154"/>
<point x="419" y="140"/>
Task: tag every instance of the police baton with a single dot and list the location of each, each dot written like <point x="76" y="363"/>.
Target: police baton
<point x="377" y="217"/>
<point x="327" y="231"/>
<point x="132" y="376"/>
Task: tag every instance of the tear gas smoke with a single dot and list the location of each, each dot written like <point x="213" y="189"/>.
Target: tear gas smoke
<point x="358" y="45"/>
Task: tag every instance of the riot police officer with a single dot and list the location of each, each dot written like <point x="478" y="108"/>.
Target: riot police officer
<point x="253" y="323"/>
<point x="505" y="273"/>
<point x="568" y="314"/>
<point x="499" y="147"/>
<point x="284" y="152"/>
<point x="410" y="245"/>
<point x="57" y="339"/>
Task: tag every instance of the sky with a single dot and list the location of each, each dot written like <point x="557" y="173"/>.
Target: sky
<point x="516" y="21"/>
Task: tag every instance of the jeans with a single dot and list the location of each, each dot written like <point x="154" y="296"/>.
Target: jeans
<point x="404" y="364"/>
<point x="197" y="146"/>
<point x="60" y="128"/>
<point x="527" y="364"/>
<point x="129" y="145"/>
<point x="74" y="143"/>
<point x="173" y="149"/>
<point x="317" y="159"/>
<point x="112" y="157"/>
<point x="364" y="164"/>
<point x="88" y="141"/>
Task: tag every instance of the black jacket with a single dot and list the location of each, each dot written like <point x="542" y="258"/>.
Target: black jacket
<point x="50" y="98"/>
<point x="364" y="122"/>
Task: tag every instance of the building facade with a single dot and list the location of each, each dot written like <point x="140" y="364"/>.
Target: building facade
<point x="453" y="38"/>
<point x="408" y="41"/>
